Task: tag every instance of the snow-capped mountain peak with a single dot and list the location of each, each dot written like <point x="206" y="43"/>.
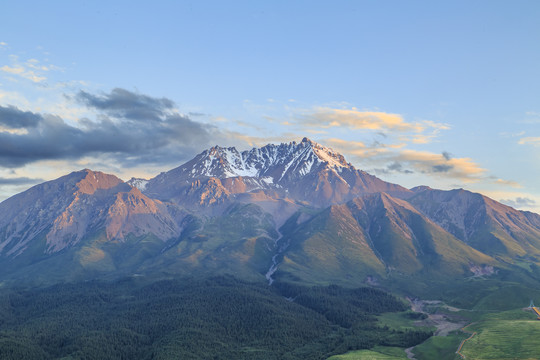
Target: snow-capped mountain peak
<point x="326" y="154"/>
<point x="258" y="162"/>
<point x="304" y="171"/>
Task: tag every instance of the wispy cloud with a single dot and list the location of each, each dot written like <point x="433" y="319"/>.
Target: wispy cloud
<point x="520" y="202"/>
<point x="535" y="141"/>
<point x="17" y="70"/>
<point x="464" y="169"/>
<point x="326" y="117"/>
<point x="23" y="72"/>
<point x="354" y="119"/>
<point x="20" y="181"/>
<point x="511" y="183"/>
<point x="31" y="69"/>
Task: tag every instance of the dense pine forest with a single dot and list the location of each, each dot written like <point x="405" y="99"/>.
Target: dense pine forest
<point x="217" y="318"/>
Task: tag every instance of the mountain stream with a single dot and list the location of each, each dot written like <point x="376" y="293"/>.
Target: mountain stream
<point x="275" y="263"/>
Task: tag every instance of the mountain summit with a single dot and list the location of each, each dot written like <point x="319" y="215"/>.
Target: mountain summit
<point x="304" y="171"/>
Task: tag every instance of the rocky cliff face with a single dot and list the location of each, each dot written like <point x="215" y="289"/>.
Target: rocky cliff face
<point x="65" y="210"/>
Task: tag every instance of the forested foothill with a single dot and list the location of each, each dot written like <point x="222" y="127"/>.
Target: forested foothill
<point x="189" y="318"/>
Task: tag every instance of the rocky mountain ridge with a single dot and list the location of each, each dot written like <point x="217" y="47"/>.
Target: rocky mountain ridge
<point x="304" y="171"/>
<point x="297" y="210"/>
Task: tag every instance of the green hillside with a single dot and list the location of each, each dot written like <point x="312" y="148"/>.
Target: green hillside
<point x="187" y="318"/>
<point x="380" y="238"/>
<point x="506" y="335"/>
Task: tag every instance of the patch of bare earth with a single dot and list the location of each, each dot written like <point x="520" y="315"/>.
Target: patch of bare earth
<point x="444" y="323"/>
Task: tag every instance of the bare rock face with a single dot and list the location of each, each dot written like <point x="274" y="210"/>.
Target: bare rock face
<point x="65" y="210"/>
<point x="93" y="193"/>
<point x="134" y="213"/>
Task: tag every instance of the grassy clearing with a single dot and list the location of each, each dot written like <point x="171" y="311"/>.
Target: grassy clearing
<point x="507" y="335"/>
<point x="401" y="320"/>
<point x="440" y="347"/>
<point x="378" y="353"/>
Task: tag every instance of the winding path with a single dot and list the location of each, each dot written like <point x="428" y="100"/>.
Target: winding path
<point x="464" y="341"/>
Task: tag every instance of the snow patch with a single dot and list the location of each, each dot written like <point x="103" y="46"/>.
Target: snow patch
<point x="138" y="183"/>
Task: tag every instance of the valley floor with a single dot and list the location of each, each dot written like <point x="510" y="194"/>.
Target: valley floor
<point x="494" y="335"/>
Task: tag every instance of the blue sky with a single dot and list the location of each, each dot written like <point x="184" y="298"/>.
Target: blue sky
<point x="435" y="93"/>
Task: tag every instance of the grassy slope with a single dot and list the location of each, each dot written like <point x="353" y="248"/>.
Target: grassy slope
<point x="239" y="243"/>
<point x="500" y="335"/>
<point x="332" y="244"/>
<point x="378" y="353"/>
<point x="440" y="347"/>
<point x="387" y="240"/>
<point x="506" y="335"/>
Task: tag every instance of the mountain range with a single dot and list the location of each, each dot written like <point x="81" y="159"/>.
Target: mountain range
<point x="296" y="212"/>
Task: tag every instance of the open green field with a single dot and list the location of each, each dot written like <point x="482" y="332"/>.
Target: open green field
<point x="501" y="335"/>
<point x="401" y="320"/>
<point x="378" y="353"/>
<point x="440" y="347"/>
<point x="506" y="335"/>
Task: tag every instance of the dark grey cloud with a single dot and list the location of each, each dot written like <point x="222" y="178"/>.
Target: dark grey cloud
<point x="20" y="181"/>
<point x="118" y="133"/>
<point x="392" y="168"/>
<point x="441" y="168"/>
<point x="519" y="202"/>
<point x="447" y="155"/>
<point x="13" y="118"/>
<point x="125" y="104"/>
<point x="398" y="167"/>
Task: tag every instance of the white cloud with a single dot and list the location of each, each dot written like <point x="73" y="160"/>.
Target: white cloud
<point x="31" y="69"/>
<point x="326" y="117"/>
<point x="354" y="119"/>
<point x="535" y="141"/>
<point x="511" y="183"/>
<point x="23" y="72"/>
<point x="17" y="70"/>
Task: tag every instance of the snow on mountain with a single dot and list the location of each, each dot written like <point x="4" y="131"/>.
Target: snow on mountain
<point x="304" y="171"/>
<point x="138" y="183"/>
<point x="259" y="162"/>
